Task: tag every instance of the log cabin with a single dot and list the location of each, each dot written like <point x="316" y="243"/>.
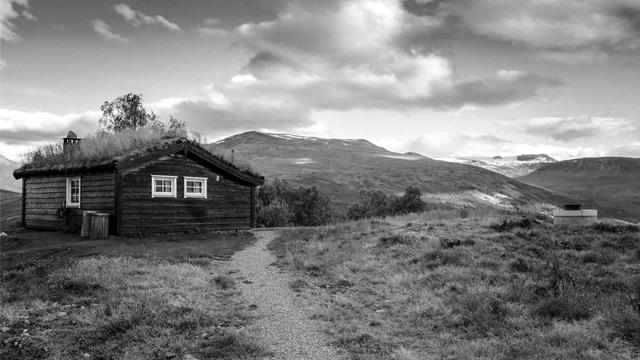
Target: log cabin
<point x="172" y="186"/>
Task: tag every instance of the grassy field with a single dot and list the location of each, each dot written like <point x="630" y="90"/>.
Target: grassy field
<point x="126" y="298"/>
<point x="10" y="209"/>
<point x="459" y="285"/>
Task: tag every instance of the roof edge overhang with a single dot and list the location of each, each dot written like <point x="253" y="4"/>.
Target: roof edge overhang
<point x="57" y="170"/>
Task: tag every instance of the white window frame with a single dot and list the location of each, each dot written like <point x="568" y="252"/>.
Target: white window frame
<point x="164" y="194"/>
<point x="68" y="202"/>
<point x="202" y="195"/>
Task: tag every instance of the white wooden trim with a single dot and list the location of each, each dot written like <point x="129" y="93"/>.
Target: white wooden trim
<point x="204" y="187"/>
<point x="174" y="186"/>
<point x="68" y="202"/>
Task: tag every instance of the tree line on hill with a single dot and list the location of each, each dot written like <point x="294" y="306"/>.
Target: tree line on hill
<point x="281" y="203"/>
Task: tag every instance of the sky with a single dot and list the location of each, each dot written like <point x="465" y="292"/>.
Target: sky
<point x="445" y="78"/>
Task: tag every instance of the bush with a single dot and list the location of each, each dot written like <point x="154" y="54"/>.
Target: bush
<point x="397" y="239"/>
<point x="481" y="312"/>
<point x="562" y="308"/>
<point x="282" y="204"/>
<point x="510" y="224"/>
<point x="519" y="265"/>
<point x="601" y="256"/>
<point x="379" y="204"/>
<point x="614" y="228"/>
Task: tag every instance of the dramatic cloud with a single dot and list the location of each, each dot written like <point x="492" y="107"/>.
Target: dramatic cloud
<point x="137" y="18"/>
<point x="104" y="30"/>
<point x="574" y="128"/>
<point x="568" y="31"/>
<point x="9" y="11"/>
<point x="343" y="55"/>
<point x="18" y="126"/>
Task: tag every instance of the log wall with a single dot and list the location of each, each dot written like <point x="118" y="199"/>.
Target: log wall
<point x="227" y="206"/>
<point x="44" y="195"/>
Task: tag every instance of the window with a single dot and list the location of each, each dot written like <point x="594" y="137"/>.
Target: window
<point x="73" y="192"/>
<point x="163" y="186"/>
<point x="195" y="187"/>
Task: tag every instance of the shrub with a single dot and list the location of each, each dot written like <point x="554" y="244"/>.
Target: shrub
<point x="397" y="239"/>
<point x="379" y="204"/>
<point x="561" y="308"/>
<point x="601" y="256"/>
<point x="509" y="224"/>
<point x="437" y="258"/>
<point x="224" y="282"/>
<point x="282" y="204"/>
<point x="519" y="265"/>
<point x="614" y="228"/>
<point x="481" y="312"/>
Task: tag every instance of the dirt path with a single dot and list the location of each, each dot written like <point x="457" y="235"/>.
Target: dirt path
<point x="281" y="323"/>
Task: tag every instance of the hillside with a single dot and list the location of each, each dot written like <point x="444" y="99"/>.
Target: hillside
<point x="511" y="166"/>
<point x="344" y="167"/>
<point x="7" y="181"/>
<point x="10" y="209"/>
<point x="611" y="184"/>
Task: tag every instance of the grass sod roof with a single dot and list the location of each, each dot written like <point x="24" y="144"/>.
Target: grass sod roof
<point x="80" y="161"/>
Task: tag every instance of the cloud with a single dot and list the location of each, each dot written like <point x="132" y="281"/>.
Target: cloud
<point x="18" y="127"/>
<point x="631" y="150"/>
<point x="9" y="11"/>
<point x="137" y="18"/>
<point x="211" y="31"/>
<point x="104" y="30"/>
<point x="3" y="64"/>
<point x="575" y="127"/>
<point x="482" y="145"/>
<point x="349" y="54"/>
<point x="568" y="31"/>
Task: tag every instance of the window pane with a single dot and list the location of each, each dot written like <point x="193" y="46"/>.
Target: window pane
<point x="195" y="187"/>
<point x="162" y="186"/>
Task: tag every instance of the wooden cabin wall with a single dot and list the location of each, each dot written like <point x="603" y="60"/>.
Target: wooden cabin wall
<point x="227" y="206"/>
<point x="44" y="195"/>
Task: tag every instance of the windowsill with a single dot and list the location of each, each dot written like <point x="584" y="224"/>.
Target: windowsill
<point x="163" y="196"/>
<point x="75" y="206"/>
<point x="195" y="197"/>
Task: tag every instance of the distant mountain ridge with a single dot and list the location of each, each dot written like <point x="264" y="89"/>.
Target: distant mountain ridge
<point x="7" y="181"/>
<point x="610" y="184"/>
<point x="342" y="168"/>
<point x="511" y="166"/>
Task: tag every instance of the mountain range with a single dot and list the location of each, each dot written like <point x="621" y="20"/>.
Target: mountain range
<point x="609" y="184"/>
<point x="7" y="181"/>
<point x="342" y="168"/>
<point x="511" y="166"/>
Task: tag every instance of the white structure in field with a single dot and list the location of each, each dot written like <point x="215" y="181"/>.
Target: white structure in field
<point x="573" y="214"/>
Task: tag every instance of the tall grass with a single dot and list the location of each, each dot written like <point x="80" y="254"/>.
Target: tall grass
<point x="442" y="284"/>
<point x="102" y="147"/>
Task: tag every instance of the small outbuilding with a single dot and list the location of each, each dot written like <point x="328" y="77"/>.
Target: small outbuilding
<point x="172" y="186"/>
<point x="573" y="214"/>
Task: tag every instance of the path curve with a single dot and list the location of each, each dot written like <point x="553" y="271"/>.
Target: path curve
<point x="280" y="321"/>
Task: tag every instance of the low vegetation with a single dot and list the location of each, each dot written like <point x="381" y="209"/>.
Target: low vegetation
<point x="283" y="204"/>
<point x="486" y="285"/>
<point x="143" y="298"/>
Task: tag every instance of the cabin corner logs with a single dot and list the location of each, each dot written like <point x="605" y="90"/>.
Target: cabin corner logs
<point x="126" y="195"/>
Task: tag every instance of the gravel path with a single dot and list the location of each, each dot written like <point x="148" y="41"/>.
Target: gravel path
<point x="281" y="323"/>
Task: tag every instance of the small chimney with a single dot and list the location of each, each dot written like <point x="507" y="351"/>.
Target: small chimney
<point x="71" y="143"/>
